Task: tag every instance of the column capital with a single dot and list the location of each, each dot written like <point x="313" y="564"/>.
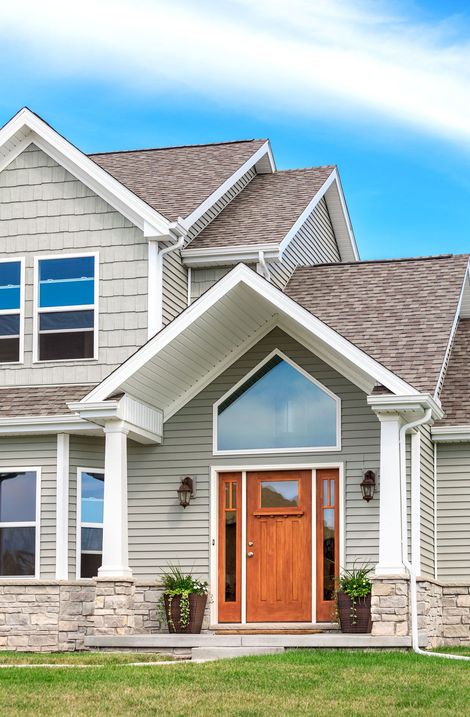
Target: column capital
<point x="114" y="425"/>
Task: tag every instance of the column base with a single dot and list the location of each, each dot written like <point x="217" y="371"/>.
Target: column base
<point x="114" y="572"/>
<point x="390" y="571"/>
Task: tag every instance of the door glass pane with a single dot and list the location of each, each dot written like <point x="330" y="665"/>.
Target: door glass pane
<point x="278" y="407"/>
<point x="230" y="556"/>
<point x="329" y="567"/>
<point x="92" y="497"/>
<point x="280" y="494"/>
<point x="17" y="497"/>
<point x="17" y="551"/>
<point x="325" y="492"/>
<point x="234" y="496"/>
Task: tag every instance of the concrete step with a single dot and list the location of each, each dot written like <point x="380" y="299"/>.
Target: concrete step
<point x="162" y="641"/>
<point x="219" y="653"/>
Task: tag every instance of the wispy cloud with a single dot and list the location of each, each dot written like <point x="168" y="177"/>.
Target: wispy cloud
<point x="305" y="56"/>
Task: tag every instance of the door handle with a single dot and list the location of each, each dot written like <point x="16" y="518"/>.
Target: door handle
<point x="249" y="554"/>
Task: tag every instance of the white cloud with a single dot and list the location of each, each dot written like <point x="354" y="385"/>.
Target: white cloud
<point x="305" y="56"/>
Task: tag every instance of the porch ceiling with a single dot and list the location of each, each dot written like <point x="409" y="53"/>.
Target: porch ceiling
<point x="214" y="331"/>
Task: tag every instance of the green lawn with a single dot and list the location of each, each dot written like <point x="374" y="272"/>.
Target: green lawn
<point x="333" y="683"/>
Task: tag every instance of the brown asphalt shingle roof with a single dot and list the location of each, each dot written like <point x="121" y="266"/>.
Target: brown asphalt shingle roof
<point x="265" y="210"/>
<point x="175" y="180"/>
<point x="40" y="400"/>
<point x="399" y="312"/>
<point x="455" y="394"/>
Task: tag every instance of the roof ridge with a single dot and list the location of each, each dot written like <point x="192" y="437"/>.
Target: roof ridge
<point x="178" y="146"/>
<point x="384" y="261"/>
<point x="306" y="169"/>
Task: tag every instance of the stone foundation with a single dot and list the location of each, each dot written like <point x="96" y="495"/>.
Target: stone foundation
<point x="443" y="610"/>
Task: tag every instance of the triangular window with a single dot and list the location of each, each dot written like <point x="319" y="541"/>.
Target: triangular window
<point x="278" y="407"/>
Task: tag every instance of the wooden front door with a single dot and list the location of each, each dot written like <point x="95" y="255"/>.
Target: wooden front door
<point x="327" y="498"/>
<point x="279" y="546"/>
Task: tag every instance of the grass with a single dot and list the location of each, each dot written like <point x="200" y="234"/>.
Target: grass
<point x="79" y="658"/>
<point x="303" y="682"/>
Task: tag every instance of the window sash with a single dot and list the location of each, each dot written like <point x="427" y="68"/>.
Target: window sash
<point x="16" y="310"/>
<point x="27" y="524"/>
<point x="84" y="524"/>
<point x="40" y="310"/>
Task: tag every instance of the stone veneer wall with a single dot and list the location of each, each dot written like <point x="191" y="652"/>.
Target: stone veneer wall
<point x="443" y="610"/>
<point x="51" y="616"/>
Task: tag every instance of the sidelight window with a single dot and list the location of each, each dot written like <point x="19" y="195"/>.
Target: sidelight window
<point x="278" y="407"/>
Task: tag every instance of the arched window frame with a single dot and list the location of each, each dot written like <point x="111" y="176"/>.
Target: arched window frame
<point x="264" y="451"/>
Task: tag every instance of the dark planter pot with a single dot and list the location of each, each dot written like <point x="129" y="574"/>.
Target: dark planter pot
<point x="362" y="621"/>
<point x="197" y="605"/>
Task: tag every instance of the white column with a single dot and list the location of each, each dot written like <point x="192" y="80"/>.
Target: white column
<point x="390" y="558"/>
<point x="115" y="538"/>
<point x="62" y="508"/>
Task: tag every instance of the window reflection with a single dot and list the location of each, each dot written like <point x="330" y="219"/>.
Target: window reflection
<point x="278" y="407"/>
<point x="279" y="494"/>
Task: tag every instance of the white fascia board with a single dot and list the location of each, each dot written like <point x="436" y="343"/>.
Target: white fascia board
<point x="83" y="168"/>
<point x="263" y="152"/>
<point x="307" y="211"/>
<point x="345" y="216"/>
<point x="44" y="424"/>
<point x="414" y="403"/>
<point x="284" y="304"/>
<point x="229" y="255"/>
<point x="450" y="434"/>
<point x="458" y="311"/>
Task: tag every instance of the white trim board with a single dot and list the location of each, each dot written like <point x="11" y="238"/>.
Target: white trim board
<point x="280" y="302"/>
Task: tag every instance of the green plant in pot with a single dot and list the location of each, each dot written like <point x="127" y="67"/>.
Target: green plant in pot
<point x="183" y="600"/>
<point x="353" y="598"/>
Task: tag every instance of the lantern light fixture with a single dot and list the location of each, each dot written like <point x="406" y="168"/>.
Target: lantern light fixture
<point x="368" y="486"/>
<point x="185" y="491"/>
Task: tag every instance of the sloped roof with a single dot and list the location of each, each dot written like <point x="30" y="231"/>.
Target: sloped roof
<point x="400" y="312"/>
<point x="455" y="395"/>
<point x="176" y="180"/>
<point x="40" y="400"/>
<point x="266" y="209"/>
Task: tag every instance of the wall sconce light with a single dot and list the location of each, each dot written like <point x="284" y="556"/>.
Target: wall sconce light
<point x="185" y="491"/>
<point x="368" y="486"/>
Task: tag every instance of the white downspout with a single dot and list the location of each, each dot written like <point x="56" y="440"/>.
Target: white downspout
<point x="155" y="288"/>
<point x="264" y="267"/>
<point x="404" y="542"/>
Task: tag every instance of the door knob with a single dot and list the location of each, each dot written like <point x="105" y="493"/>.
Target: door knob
<point x="250" y="554"/>
<point x="251" y="543"/>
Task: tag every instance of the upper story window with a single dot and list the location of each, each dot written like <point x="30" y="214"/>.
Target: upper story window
<point x="67" y="303"/>
<point x="277" y="408"/>
<point x="18" y="523"/>
<point x="11" y="311"/>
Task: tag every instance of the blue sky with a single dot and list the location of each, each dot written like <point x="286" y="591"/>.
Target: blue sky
<point x="379" y="87"/>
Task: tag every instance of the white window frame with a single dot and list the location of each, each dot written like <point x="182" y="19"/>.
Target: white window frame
<point x="265" y="451"/>
<point x="27" y="523"/>
<point x="53" y="309"/>
<point x="20" y="311"/>
<point x="81" y="525"/>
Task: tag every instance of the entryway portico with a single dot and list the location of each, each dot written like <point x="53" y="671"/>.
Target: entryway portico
<point x="241" y="313"/>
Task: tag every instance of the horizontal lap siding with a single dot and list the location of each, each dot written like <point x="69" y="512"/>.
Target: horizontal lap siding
<point x="453" y="511"/>
<point x="427" y="503"/>
<point x="45" y="210"/>
<point x="85" y="452"/>
<point x="40" y="452"/>
<point x="314" y="243"/>
<point x="161" y="532"/>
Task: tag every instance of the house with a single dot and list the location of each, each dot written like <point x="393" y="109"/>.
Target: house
<point x="193" y="312"/>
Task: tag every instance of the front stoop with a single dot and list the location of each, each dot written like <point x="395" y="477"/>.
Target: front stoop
<point x="207" y="646"/>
